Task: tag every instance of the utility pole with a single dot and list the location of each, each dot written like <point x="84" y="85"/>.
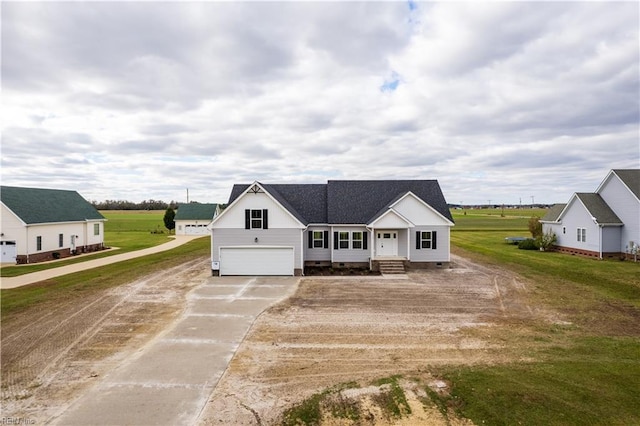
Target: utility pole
<point x="532" y="201"/>
<point x="187" y="195"/>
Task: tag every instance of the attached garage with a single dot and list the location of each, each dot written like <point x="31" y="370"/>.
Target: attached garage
<point x="256" y="260"/>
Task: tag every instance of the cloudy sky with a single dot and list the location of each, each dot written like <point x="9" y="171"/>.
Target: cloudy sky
<point x="498" y="101"/>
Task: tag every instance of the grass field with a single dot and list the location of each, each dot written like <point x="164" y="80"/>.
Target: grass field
<point x="93" y="280"/>
<point x="127" y="230"/>
<point x="585" y="372"/>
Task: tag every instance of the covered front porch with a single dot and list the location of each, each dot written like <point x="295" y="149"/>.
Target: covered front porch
<point x="390" y="250"/>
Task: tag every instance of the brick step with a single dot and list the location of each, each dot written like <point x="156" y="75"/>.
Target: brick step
<point x="392" y="267"/>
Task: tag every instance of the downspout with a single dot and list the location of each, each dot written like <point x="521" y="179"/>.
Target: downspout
<point x="371" y="235"/>
<point x="302" y="231"/>
<point x="600" y="241"/>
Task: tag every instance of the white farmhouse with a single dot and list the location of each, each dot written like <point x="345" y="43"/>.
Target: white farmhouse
<point x="279" y="229"/>
<point x="45" y="224"/>
<point x="601" y="224"/>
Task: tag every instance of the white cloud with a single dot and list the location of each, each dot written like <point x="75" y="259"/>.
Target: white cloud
<point x="142" y="100"/>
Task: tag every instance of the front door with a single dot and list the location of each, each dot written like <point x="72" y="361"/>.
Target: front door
<point x="387" y="243"/>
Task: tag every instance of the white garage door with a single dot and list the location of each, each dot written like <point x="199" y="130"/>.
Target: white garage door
<point x="8" y="251"/>
<point x="196" y="229"/>
<point x="256" y="261"/>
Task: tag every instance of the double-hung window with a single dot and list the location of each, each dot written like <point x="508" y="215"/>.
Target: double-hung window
<point x="256" y="219"/>
<point x="343" y="240"/>
<point x="426" y="240"/>
<point x="581" y="235"/>
<point x="60" y="240"/>
<point x="356" y="240"/>
<point x="38" y="243"/>
<point x="96" y="229"/>
<point x="318" y="239"/>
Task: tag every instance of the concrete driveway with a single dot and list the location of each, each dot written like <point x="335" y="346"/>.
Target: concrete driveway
<point x="34" y="277"/>
<point x="170" y="379"/>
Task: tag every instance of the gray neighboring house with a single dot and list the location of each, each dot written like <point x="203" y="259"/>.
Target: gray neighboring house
<point x="602" y="224"/>
<point x="193" y="218"/>
<point x="278" y="229"/>
<point x="45" y="224"/>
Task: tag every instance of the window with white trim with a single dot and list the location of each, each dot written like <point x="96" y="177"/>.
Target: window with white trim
<point x="356" y="240"/>
<point x="425" y="239"/>
<point x="60" y="240"/>
<point x="581" y="235"/>
<point x="38" y="243"/>
<point x="256" y="219"/>
<point x="318" y="239"/>
<point x="343" y="240"/>
<point x="96" y="229"/>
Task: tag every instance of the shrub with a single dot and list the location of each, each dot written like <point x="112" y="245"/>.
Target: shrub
<point x="546" y="240"/>
<point x="528" y="244"/>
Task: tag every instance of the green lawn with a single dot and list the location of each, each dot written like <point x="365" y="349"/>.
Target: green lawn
<point x="488" y="219"/>
<point x="584" y="372"/>
<point x="77" y="285"/>
<point x="127" y="230"/>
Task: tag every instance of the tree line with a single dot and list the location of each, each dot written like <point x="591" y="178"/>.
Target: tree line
<point x="129" y="205"/>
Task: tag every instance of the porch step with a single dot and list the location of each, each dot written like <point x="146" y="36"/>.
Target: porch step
<point x="392" y="267"/>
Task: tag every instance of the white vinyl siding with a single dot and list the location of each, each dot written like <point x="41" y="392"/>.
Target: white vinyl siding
<point x="318" y="253"/>
<point x="626" y="206"/>
<point x="440" y="254"/>
<point x="265" y="237"/>
<point x="351" y="254"/>
<point x="575" y="219"/>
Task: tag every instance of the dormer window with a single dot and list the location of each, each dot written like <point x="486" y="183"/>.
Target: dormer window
<point x="256" y="219"/>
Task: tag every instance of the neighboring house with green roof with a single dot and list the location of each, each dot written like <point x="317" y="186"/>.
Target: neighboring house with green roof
<point x="45" y="224"/>
<point x="193" y="218"/>
<point x="602" y="224"/>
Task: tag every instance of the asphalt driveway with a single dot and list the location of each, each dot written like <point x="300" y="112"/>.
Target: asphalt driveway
<point x="170" y="379"/>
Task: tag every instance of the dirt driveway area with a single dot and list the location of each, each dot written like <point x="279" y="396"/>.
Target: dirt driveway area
<point x="339" y="330"/>
<point x="51" y="356"/>
<point x="333" y="330"/>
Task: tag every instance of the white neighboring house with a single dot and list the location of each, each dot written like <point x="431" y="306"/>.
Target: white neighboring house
<point x="278" y="229"/>
<point x="193" y="218"/>
<point x="45" y="224"/>
<point x="601" y="224"/>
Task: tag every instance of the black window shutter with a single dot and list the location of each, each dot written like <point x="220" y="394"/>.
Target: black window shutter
<point x="247" y="219"/>
<point x="364" y="240"/>
<point x="335" y="240"/>
<point x="265" y="219"/>
<point x="310" y="234"/>
<point x="326" y="239"/>
<point x="433" y="240"/>
<point x="417" y="240"/>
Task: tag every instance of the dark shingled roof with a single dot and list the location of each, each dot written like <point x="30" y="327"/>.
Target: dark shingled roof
<point x="631" y="178"/>
<point x="599" y="209"/>
<point x="553" y="213"/>
<point x="33" y="205"/>
<point x="195" y="211"/>
<point x="348" y="202"/>
<point x="361" y="201"/>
